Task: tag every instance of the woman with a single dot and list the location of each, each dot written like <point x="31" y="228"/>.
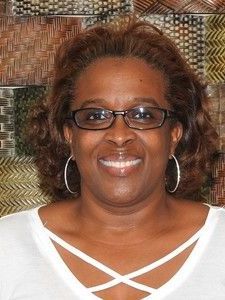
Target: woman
<point x="124" y="141"/>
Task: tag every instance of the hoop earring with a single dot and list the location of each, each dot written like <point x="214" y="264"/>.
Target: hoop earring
<point x="178" y="176"/>
<point x="65" y="175"/>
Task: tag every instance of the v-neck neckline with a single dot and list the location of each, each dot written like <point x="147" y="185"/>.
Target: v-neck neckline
<point x="72" y="281"/>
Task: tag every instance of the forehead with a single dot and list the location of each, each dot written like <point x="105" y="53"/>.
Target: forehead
<point x="119" y="82"/>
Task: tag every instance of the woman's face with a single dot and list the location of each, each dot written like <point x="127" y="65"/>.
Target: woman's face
<point x="121" y="166"/>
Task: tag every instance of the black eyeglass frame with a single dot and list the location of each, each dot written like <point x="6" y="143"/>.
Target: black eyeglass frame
<point x="167" y="114"/>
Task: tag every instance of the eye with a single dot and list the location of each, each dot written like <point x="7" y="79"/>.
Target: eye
<point x="96" y="115"/>
<point x="143" y="114"/>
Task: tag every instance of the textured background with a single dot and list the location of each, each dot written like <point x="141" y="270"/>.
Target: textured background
<point x="28" y="46"/>
<point x="29" y="35"/>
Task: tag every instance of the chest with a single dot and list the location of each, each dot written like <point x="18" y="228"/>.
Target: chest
<point x="124" y="273"/>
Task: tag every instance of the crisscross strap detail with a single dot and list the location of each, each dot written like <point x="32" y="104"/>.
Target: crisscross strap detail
<point x="118" y="278"/>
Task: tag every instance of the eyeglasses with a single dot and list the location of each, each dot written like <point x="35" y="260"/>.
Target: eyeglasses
<point x="142" y="118"/>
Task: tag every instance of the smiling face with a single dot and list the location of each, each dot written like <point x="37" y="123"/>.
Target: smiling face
<point x="121" y="166"/>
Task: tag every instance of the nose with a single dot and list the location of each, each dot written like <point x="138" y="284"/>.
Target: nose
<point x="119" y="133"/>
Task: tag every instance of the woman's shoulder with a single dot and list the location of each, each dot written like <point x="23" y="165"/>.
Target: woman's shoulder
<point x="214" y="222"/>
<point x="197" y="214"/>
<point x="16" y="224"/>
<point x="18" y="244"/>
<point x="218" y="215"/>
<point x="214" y="213"/>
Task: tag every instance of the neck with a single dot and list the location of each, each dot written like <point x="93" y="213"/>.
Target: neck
<point x="132" y="223"/>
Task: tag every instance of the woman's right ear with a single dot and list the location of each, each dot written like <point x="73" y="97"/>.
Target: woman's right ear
<point x="67" y="133"/>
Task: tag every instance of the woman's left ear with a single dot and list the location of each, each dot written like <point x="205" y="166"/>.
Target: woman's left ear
<point x="176" y="135"/>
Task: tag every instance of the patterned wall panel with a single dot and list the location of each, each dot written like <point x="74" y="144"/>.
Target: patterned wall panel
<point x="69" y="7"/>
<point x="7" y="128"/>
<point x="177" y="6"/>
<point x="2" y="7"/>
<point x="103" y="19"/>
<point x="28" y="45"/>
<point x="187" y="31"/>
<point x="6" y="7"/>
<point x="96" y="7"/>
<point x="19" y="185"/>
<point x="217" y="95"/>
<point x="217" y="193"/>
<point x="215" y="48"/>
<point x="24" y="98"/>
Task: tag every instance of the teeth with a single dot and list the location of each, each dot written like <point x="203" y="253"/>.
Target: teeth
<point x="120" y="164"/>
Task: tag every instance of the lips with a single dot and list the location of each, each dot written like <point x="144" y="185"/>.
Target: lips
<point x="120" y="165"/>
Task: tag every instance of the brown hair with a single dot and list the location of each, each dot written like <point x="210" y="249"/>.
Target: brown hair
<point x="185" y="93"/>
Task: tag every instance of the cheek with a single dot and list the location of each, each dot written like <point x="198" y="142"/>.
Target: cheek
<point x="84" y="145"/>
<point x="157" y="142"/>
<point x="157" y="145"/>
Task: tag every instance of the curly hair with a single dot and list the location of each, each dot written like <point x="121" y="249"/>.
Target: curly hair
<point x="185" y="93"/>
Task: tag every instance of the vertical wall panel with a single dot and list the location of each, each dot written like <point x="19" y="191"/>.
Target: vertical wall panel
<point x="19" y="182"/>
<point x="24" y="99"/>
<point x="187" y="31"/>
<point x="215" y="48"/>
<point x="7" y="129"/>
<point x="217" y="97"/>
<point x="217" y="193"/>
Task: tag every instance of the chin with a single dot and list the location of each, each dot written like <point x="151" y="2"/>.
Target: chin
<point x="121" y="198"/>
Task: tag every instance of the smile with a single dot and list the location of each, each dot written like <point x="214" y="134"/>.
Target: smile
<point x="120" y="164"/>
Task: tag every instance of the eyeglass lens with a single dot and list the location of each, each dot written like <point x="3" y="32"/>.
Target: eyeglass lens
<point x="140" y="118"/>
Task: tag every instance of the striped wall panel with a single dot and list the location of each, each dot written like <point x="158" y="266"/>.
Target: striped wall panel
<point x="28" y="47"/>
<point x="215" y="48"/>
<point x="217" y="193"/>
<point x="7" y="126"/>
<point x="19" y="185"/>
<point x="177" y="6"/>
<point x="69" y="7"/>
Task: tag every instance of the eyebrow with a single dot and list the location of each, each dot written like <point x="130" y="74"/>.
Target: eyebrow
<point x="93" y="101"/>
<point x="136" y="100"/>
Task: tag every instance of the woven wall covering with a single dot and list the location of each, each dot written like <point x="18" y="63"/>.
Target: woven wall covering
<point x="217" y="193"/>
<point x="187" y="31"/>
<point x="69" y="7"/>
<point x="28" y="46"/>
<point x="7" y="128"/>
<point x="104" y="19"/>
<point x="2" y="7"/>
<point x="217" y="96"/>
<point x="6" y="8"/>
<point x="23" y="100"/>
<point x="177" y="6"/>
<point x="215" y="48"/>
<point x="19" y="185"/>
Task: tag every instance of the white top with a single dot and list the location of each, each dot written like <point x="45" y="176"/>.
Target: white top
<point x="31" y="268"/>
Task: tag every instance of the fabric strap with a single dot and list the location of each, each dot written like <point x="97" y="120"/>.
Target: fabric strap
<point x="118" y="278"/>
